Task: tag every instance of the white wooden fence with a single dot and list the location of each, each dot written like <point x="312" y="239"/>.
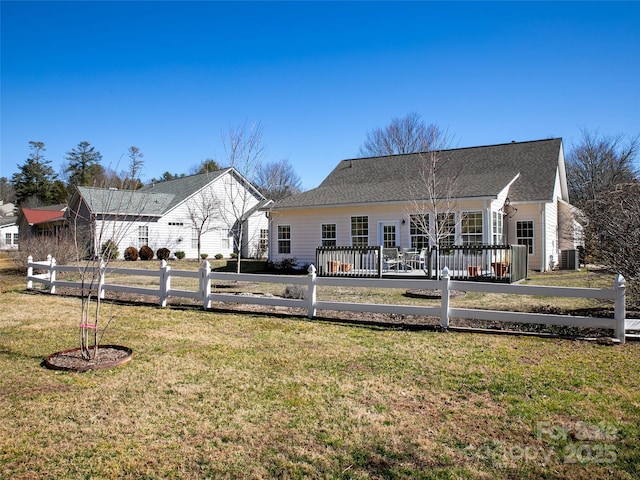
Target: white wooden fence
<point x="619" y="324"/>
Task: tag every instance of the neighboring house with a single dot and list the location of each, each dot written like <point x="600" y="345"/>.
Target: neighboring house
<point x="513" y="193"/>
<point x="163" y="215"/>
<point x="41" y="221"/>
<point x="8" y="227"/>
<point x="8" y="233"/>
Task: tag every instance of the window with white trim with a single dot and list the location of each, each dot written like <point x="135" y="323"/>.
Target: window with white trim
<point x="143" y="236"/>
<point x="263" y="242"/>
<point x="524" y="234"/>
<point x="329" y="237"/>
<point x="472" y="228"/>
<point x="419" y="231"/>
<point x="194" y="237"/>
<point x="284" y="239"/>
<point x="446" y="229"/>
<point x="224" y="238"/>
<point x="360" y="231"/>
<point x="497" y="228"/>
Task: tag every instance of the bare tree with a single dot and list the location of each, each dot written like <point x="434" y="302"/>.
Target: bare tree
<point x="99" y="219"/>
<point x="433" y="210"/>
<point x="408" y="134"/>
<point x="595" y="167"/>
<point x="203" y="210"/>
<point x="245" y="152"/>
<point x="278" y="180"/>
<point x="617" y="213"/>
<point x="599" y="163"/>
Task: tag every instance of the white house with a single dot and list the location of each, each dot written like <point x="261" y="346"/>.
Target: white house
<point x="8" y="233"/>
<point x="506" y="194"/>
<point x="214" y="208"/>
<point x="8" y="227"/>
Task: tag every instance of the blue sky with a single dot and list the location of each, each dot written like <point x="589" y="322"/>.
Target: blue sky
<point x="170" y="77"/>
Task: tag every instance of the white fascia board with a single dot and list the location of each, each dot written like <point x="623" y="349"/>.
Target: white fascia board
<point x="374" y="204"/>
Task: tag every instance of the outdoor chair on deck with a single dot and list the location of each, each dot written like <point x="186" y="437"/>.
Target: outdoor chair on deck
<point x="416" y="260"/>
<point x="391" y="258"/>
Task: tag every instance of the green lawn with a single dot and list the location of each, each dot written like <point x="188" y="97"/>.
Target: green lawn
<point x="228" y="395"/>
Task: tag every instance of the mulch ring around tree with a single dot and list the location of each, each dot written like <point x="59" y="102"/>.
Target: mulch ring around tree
<point x="432" y="293"/>
<point x="109" y="356"/>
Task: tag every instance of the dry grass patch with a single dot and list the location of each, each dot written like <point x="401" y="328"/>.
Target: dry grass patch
<point x="242" y="395"/>
<point x="225" y="395"/>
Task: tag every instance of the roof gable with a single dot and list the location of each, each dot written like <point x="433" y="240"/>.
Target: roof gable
<point x="157" y="199"/>
<point x="478" y="171"/>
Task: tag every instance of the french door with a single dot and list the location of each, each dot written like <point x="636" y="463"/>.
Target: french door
<point x="388" y="234"/>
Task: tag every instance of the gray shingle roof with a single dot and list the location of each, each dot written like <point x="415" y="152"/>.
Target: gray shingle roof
<point x="125" y="202"/>
<point x="478" y="171"/>
<point x="181" y="188"/>
<point x="151" y="200"/>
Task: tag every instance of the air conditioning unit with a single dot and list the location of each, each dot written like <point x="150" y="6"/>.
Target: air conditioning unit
<point x="569" y="260"/>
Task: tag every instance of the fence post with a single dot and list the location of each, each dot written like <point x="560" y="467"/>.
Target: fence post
<point x="311" y="292"/>
<point x="205" y="284"/>
<point x="29" y="272"/>
<point x="444" y="315"/>
<point x="103" y="268"/>
<point x="49" y="257"/>
<point x="620" y="309"/>
<point x="165" y="282"/>
<point x="52" y="277"/>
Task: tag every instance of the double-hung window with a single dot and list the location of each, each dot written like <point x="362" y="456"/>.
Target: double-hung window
<point x="360" y="231"/>
<point x="524" y="234"/>
<point x="195" y="236"/>
<point x="263" y="243"/>
<point x="446" y="229"/>
<point x="284" y="239"/>
<point x="329" y="237"/>
<point x="472" y="228"/>
<point x="143" y="236"/>
<point x="419" y="231"/>
<point x="224" y="238"/>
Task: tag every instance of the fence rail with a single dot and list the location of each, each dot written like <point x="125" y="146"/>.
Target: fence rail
<point x="619" y="324"/>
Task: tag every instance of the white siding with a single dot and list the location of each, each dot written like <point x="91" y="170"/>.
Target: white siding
<point x="8" y="230"/>
<point x="527" y="212"/>
<point x="174" y="229"/>
<point x="306" y="226"/>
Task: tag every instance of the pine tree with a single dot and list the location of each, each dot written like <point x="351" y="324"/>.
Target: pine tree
<point x="35" y="183"/>
<point x="84" y="165"/>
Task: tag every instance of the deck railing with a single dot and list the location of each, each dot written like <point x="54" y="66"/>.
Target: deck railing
<point x="488" y="263"/>
<point x="349" y="261"/>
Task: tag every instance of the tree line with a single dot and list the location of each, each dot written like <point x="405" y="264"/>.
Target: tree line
<point x="36" y="184"/>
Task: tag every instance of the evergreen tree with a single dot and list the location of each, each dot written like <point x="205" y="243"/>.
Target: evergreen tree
<point x="35" y="183"/>
<point x="7" y="191"/>
<point x="84" y="165"/>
